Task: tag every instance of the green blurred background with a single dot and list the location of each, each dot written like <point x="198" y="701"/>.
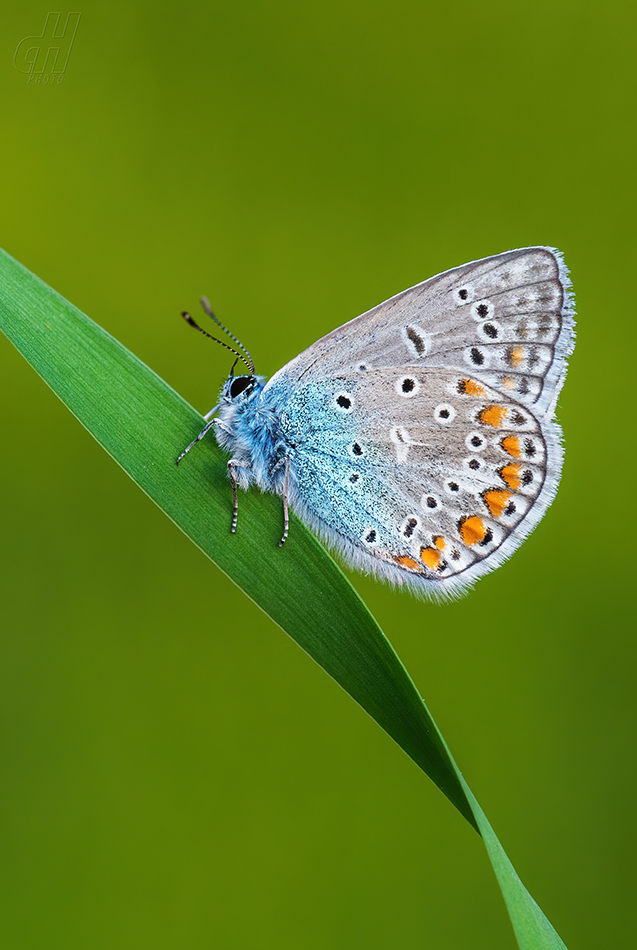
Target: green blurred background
<point x="177" y="773"/>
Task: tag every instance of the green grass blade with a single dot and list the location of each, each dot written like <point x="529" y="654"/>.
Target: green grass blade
<point x="143" y="424"/>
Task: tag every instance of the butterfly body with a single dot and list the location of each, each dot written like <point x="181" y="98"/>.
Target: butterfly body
<point x="418" y="439"/>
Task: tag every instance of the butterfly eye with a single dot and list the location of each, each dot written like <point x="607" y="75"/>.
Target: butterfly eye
<point x="239" y="384"/>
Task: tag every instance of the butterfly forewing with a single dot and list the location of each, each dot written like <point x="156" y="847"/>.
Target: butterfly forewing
<point x="505" y="318"/>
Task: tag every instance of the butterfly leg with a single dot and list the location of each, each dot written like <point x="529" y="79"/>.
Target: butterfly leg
<point x="286" y="515"/>
<point x="232" y="465"/>
<point x="209" y="415"/>
<point x="286" y="493"/>
<point x="205" y="429"/>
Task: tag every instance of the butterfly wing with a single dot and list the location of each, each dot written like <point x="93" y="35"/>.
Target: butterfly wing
<point x="425" y="446"/>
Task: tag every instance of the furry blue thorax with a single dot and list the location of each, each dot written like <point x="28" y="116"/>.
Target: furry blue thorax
<point x="249" y="427"/>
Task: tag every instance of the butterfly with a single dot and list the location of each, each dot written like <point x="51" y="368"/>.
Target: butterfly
<point x="418" y="439"/>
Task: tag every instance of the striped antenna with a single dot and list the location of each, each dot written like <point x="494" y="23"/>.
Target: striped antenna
<point x="189" y="320"/>
<point x="205" y="303"/>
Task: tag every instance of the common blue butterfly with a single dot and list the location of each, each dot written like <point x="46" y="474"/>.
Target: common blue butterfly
<point x="418" y="439"/>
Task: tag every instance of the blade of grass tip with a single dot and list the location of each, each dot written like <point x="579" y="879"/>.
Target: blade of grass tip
<point x="143" y="424"/>
<point x="532" y="928"/>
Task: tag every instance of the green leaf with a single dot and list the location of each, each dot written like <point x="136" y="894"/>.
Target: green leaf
<point x="144" y="425"/>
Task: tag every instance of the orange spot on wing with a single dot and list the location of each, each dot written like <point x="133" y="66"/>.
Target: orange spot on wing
<point x="471" y="388"/>
<point x="511" y="475"/>
<point x="511" y="444"/>
<point x="496" y="500"/>
<point x="493" y="415"/>
<point x="440" y="542"/>
<point x="508" y="382"/>
<point x="408" y="562"/>
<point x="472" y="529"/>
<point x="430" y="558"/>
<point x="516" y="355"/>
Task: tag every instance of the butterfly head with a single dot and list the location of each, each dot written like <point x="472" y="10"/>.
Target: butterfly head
<point x="235" y="387"/>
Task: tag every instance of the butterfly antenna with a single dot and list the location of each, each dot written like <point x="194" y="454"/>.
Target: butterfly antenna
<point x="189" y="320"/>
<point x="205" y="303"/>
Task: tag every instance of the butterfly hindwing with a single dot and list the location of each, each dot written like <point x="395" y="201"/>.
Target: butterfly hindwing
<point x="405" y="467"/>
